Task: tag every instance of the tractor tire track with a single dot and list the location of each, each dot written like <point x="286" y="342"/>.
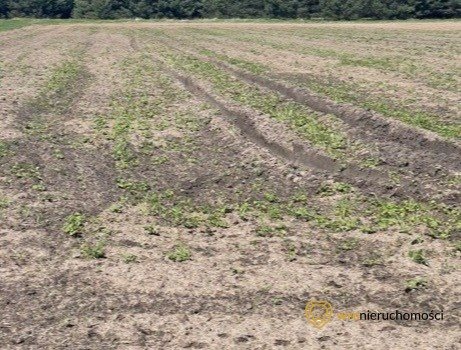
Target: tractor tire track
<point x="401" y="146"/>
<point x="370" y="181"/>
<point x="409" y="186"/>
<point x="424" y="156"/>
<point x="369" y="123"/>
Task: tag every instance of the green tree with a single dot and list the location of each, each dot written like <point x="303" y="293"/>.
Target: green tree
<point x="144" y="8"/>
<point x="280" y="8"/>
<point x="308" y="9"/>
<point x="437" y="8"/>
<point x="372" y="9"/>
<point x="335" y="9"/>
<point x="330" y="9"/>
<point x="3" y="9"/>
<point x="103" y="9"/>
<point x="40" y="8"/>
<point x="401" y="9"/>
<point x="180" y="8"/>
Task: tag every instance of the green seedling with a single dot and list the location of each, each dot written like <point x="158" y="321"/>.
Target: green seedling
<point x="74" y="224"/>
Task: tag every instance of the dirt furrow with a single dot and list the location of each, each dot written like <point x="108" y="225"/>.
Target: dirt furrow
<point x="376" y="84"/>
<point x="421" y="175"/>
<point x="24" y="71"/>
<point x="368" y="180"/>
<point x="445" y="152"/>
<point x="401" y="146"/>
<point x="136" y="318"/>
<point x="155" y="201"/>
<point x="74" y="175"/>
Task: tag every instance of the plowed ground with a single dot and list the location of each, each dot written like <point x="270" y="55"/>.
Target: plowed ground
<point x="193" y="185"/>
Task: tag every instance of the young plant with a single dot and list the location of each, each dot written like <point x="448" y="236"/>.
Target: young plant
<point x="180" y="253"/>
<point x="73" y="225"/>
<point x="418" y="256"/>
<point x="96" y="251"/>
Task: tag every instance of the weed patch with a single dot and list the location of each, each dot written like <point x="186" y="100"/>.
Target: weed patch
<point x="74" y="224"/>
<point x="180" y="253"/>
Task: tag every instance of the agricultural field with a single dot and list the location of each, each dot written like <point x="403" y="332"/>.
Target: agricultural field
<point x="181" y="184"/>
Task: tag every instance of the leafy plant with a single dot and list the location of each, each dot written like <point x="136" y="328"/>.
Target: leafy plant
<point x="264" y="231"/>
<point x="74" y="224"/>
<point x="337" y="187"/>
<point x="26" y="171"/>
<point x="3" y="149"/>
<point x="152" y="230"/>
<point x="129" y="258"/>
<point x="270" y="197"/>
<point x="418" y="256"/>
<point x="348" y="244"/>
<point x="96" y="251"/>
<point x="180" y="253"/>
<point x="458" y="246"/>
<point x="415" y="283"/>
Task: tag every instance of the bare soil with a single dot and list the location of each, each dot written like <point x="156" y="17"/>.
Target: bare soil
<point x="144" y="206"/>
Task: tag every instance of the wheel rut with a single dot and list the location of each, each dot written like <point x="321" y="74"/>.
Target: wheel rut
<point x="371" y="181"/>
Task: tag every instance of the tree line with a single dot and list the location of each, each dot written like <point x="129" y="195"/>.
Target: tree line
<point x="183" y="9"/>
